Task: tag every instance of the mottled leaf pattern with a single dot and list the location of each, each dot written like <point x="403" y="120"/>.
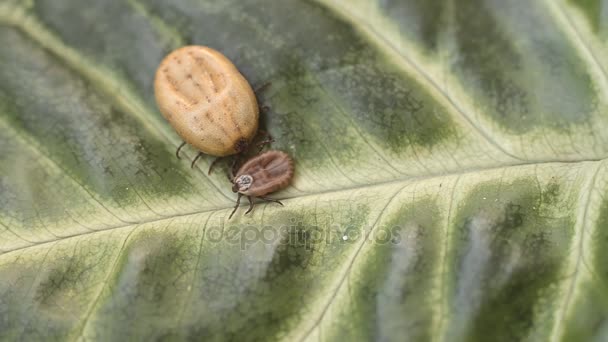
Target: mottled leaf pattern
<point x="450" y="177"/>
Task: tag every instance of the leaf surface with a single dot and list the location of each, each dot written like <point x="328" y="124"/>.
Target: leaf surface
<point x="449" y="185"/>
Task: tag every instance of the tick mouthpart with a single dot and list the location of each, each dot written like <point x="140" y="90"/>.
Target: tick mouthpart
<point x="242" y="183"/>
<point x="241" y="145"/>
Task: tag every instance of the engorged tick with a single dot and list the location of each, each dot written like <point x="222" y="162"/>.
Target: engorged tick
<point x="261" y="175"/>
<point x="207" y="101"/>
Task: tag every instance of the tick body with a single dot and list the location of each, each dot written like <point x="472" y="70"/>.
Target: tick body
<point x="261" y="175"/>
<point x="207" y="101"/>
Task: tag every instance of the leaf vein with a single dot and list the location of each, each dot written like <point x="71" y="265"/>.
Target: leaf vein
<point x="342" y="279"/>
<point x="389" y="47"/>
<point x="580" y="230"/>
<point x="112" y="270"/>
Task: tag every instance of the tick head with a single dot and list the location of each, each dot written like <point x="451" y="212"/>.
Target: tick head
<point x="242" y="183"/>
<point x="241" y="145"/>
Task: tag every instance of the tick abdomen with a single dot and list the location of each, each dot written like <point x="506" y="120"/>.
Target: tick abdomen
<point x="271" y="171"/>
<point x="207" y="100"/>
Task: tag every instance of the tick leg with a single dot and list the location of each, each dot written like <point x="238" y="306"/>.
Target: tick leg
<point x="230" y="176"/>
<point x="262" y="133"/>
<point x="213" y="165"/>
<point x="250" y="205"/>
<point x="195" y="159"/>
<point x="271" y="200"/>
<point x="266" y="141"/>
<point x="234" y="167"/>
<point x="257" y="91"/>
<point x="262" y="88"/>
<point x="179" y="148"/>
<point x="238" y="202"/>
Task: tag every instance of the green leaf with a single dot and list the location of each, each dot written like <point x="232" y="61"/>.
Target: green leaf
<point x="450" y="177"/>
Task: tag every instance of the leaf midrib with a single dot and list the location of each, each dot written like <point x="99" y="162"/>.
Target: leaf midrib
<point x="286" y="200"/>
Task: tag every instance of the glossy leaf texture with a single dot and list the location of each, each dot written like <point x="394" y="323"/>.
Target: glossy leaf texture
<point x="450" y="173"/>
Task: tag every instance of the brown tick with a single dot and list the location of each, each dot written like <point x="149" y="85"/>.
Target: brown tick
<point x="263" y="174"/>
